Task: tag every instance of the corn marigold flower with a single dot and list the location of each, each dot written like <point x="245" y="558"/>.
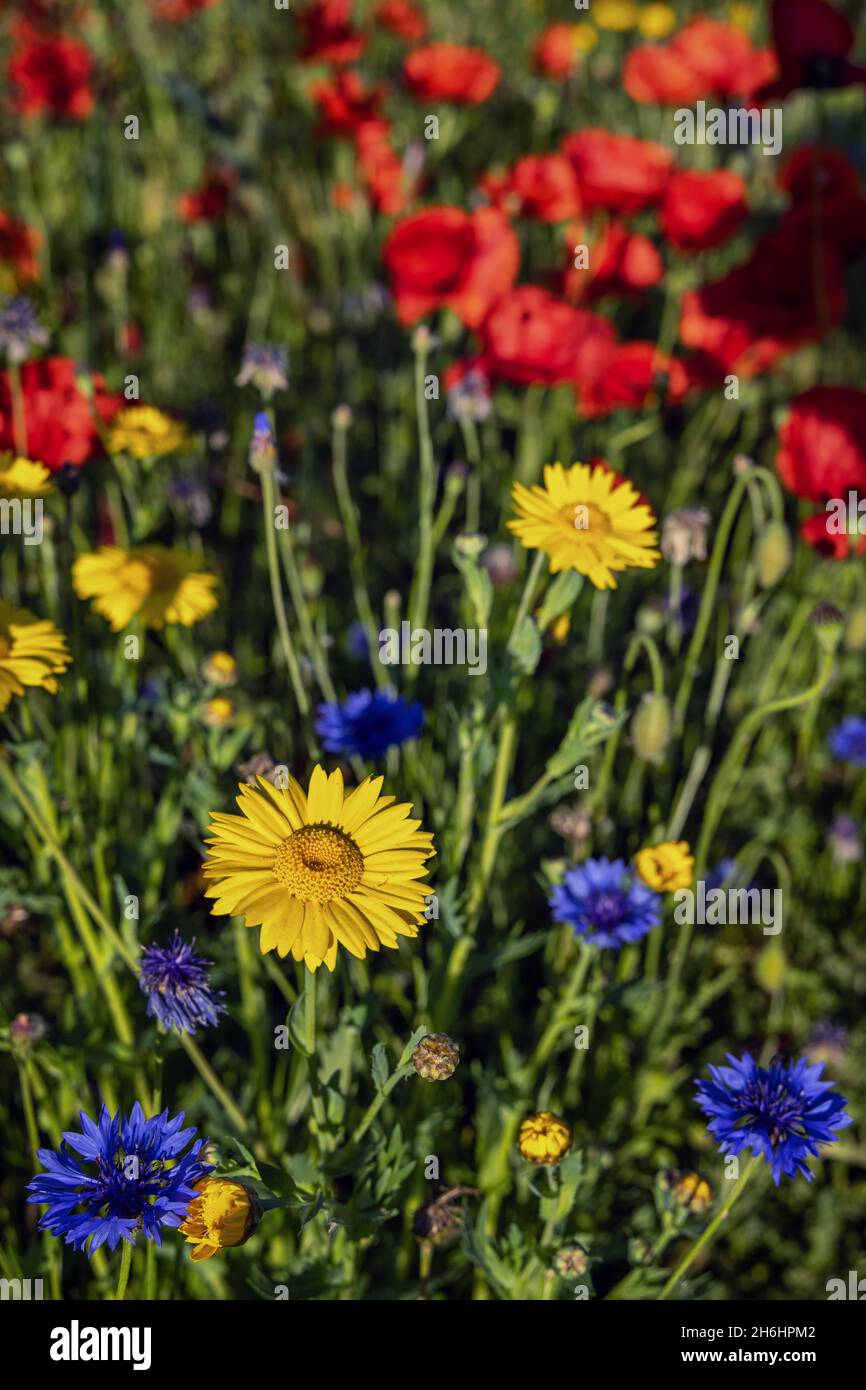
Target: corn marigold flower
<point x="221" y="1215"/>
<point x="218" y="713"/>
<point x="157" y="584"/>
<point x="848" y="740"/>
<point x="694" y="1192"/>
<point x="666" y="867"/>
<point x="220" y="668"/>
<point x="145" y="432"/>
<point x="367" y="724"/>
<point x="179" y="993"/>
<point x="320" y="869"/>
<point x="135" y="1176"/>
<point x="656" y="21"/>
<point x="20" y="477"/>
<point x="616" y="15"/>
<point x="544" y="1138"/>
<point x="32" y="653"/>
<point x="586" y="519"/>
<point x="783" y="1112"/>
<point x="436" y="1057"/>
<point x="604" y="904"/>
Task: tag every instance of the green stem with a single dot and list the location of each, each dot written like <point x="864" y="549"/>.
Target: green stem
<point x="126" y="1248"/>
<point x="419" y="597"/>
<point x="269" y="497"/>
<point x="349" y="517"/>
<point x="710" y="1231"/>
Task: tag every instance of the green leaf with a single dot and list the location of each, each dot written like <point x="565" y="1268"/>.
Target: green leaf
<point x="379" y="1066"/>
<point x="525" y="646"/>
<point x="559" y="597"/>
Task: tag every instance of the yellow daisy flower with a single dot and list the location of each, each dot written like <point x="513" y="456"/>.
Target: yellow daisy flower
<point x="666" y="867"/>
<point x="20" y="477"/>
<point x="220" y="668"/>
<point x="219" y="712"/>
<point x="224" y="1214"/>
<point x="616" y="15"/>
<point x="656" y="21"/>
<point x="694" y="1192"/>
<point x="161" y="585"/>
<point x="544" y="1138"/>
<point x="145" y="432"/>
<point x="32" y="653"/>
<point x="587" y="519"/>
<point x="583" y="37"/>
<point x="320" y="870"/>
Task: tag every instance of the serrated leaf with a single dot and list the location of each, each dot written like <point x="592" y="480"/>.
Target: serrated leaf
<point x="379" y="1066"/>
<point x="525" y="646"/>
<point x="559" y="597"/>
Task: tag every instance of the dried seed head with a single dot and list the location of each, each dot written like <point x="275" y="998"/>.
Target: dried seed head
<point x="436" y="1057"/>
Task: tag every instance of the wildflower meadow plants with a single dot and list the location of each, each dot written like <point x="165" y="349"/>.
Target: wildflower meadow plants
<point x="431" y="548"/>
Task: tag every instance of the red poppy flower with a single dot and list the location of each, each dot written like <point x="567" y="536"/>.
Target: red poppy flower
<point x="402" y="19"/>
<point x="654" y="73"/>
<point x="51" y="75"/>
<point x="707" y="57"/>
<point x="59" y="419"/>
<point x="772" y="304"/>
<point x="542" y="186"/>
<point x="446" y="258"/>
<point x="387" y="180"/>
<point x="18" y="247"/>
<point x="621" y="263"/>
<point x="618" y="172"/>
<point x="554" y="53"/>
<point x="530" y="337"/>
<point x="827" y="201"/>
<point x="722" y="56"/>
<point x="701" y="210"/>
<point x="345" y="104"/>
<point x="813" y="41"/>
<point x="635" y="373"/>
<point x="449" y="72"/>
<point x="833" y="544"/>
<point x="210" y="200"/>
<point x="822" y="444"/>
<point x="328" y="35"/>
<point x="175" y="11"/>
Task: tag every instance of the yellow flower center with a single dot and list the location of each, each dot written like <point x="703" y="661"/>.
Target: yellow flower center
<point x="584" y="519"/>
<point x="319" y="863"/>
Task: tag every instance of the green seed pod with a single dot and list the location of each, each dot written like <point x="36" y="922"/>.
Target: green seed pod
<point x="651" y="728"/>
<point x="773" y="553"/>
<point x="828" y="623"/>
<point x="770" y="967"/>
<point x="855" y="632"/>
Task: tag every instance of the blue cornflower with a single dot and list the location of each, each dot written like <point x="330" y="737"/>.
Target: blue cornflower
<point x="178" y="990"/>
<point x="605" y="904"/>
<point x="132" y="1179"/>
<point x="848" y="740"/>
<point x="783" y="1112"/>
<point x="367" y="724"/>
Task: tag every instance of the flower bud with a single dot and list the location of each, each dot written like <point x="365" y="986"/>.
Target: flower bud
<point x="773" y="553"/>
<point x="224" y="1214"/>
<point x="770" y="967"/>
<point x="694" y="1192"/>
<point x="436" y="1057"/>
<point x="651" y="728"/>
<point x="828" y="624"/>
<point x="544" y="1138"/>
<point x="571" y="1262"/>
